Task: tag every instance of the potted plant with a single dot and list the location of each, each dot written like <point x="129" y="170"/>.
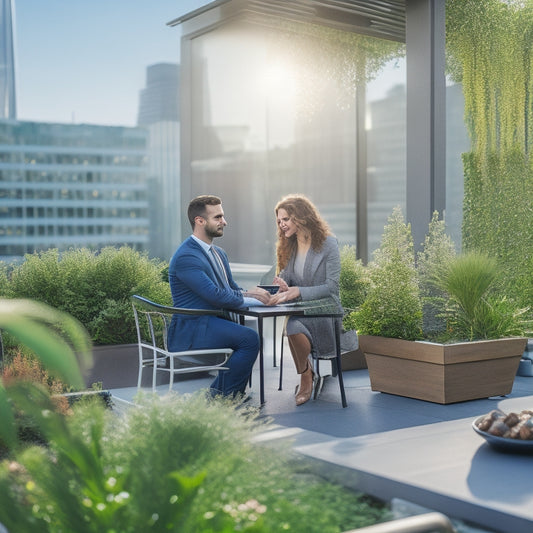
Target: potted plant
<point x="95" y="288"/>
<point x="475" y="342"/>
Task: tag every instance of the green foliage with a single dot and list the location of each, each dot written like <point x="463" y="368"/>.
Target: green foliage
<point x="498" y="217"/>
<point x="353" y="283"/>
<point x="392" y="307"/>
<point x="396" y="236"/>
<point x="95" y="288"/>
<point x="326" y="56"/>
<point x="475" y="310"/>
<point x="490" y="53"/>
<point x="174" y="464"/>
<point x="58" y="339"/>
<point x="437" y="252"/>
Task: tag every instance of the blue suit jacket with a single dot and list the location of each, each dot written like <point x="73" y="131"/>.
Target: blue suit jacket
<point x="195" y="284"/>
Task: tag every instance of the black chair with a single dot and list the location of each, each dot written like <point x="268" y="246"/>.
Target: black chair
<point x="152" y="321"/>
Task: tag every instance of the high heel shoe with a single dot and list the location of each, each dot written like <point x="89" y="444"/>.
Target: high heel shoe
<point x="303" y="394"/>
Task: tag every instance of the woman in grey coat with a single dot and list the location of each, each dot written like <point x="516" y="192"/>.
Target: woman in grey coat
<point x="308" y="266"/>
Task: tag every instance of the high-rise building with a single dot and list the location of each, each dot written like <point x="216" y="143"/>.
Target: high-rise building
<point x="158" y="113"/>
<point x="8" y="108"/>
<point x="159" y="99"/>
<point x="64" y="186"/>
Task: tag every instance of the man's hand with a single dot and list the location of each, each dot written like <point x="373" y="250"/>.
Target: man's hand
<point x="259" y="294"/>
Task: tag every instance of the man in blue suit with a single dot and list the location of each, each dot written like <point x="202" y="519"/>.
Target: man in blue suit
<point x="200" y="278"/>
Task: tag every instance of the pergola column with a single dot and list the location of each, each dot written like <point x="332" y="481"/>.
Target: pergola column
<point x="426" y="113"/>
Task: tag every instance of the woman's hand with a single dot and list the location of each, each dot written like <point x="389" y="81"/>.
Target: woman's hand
<point x="283" y="287"/>
<point x="260" y="294"/>
<point x="291" y="293"/>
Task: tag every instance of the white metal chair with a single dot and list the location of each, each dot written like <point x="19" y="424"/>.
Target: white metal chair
<point x="152" y="321"/>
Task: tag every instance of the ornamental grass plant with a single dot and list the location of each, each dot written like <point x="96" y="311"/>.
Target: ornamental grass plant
<point x="475" y="309"/>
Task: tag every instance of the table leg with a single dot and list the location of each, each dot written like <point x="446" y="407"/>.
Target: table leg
<point x="337" y="324"/>
<point x="261" y="367"/>
<point x="274" y="339"/>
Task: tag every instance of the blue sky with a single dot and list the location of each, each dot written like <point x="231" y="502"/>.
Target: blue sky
<point x="84" y="61"/>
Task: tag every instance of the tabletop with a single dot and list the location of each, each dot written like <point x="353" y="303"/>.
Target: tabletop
<point x="325" y="307"/>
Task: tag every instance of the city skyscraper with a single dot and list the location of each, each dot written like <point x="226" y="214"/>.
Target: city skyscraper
<point x="8" y="108"/>
<point x="159" y="115"/>
<point x="159" y="99"/>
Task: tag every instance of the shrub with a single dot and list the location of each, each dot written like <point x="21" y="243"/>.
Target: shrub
<point x="93" y="287"/>
<point x="353" y="283"/>
<point x="392" y="307"/>
<point x="175" y="464"/>
<point x="436" y="254"/>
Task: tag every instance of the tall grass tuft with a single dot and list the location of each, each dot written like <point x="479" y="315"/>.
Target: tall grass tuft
<point x="475" y="310"/>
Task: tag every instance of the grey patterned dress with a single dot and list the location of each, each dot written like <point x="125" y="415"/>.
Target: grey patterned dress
<point x="320" y="280"/>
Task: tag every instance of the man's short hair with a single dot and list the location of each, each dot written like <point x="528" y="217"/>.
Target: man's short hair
<point x="197" y="206"/>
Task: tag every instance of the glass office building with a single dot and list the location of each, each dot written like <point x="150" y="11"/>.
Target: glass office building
<point x="64" y="186"/>
<point x="8" y="105"/>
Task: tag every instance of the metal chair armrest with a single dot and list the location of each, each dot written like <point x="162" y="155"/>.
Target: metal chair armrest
<point x="148" y="305"/>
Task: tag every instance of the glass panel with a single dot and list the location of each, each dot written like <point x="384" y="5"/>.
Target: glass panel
<point x="386" y="141"/>
<point x="266" y="123"/>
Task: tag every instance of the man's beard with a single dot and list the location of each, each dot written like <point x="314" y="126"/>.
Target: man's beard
<point x="218" y="232"/>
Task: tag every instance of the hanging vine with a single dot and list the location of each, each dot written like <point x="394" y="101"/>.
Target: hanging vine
<point x="489" y="47"/>
<point x="329" y="56"/>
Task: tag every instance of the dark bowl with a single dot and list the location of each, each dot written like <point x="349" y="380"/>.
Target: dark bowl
<point x="504" y="444"/>
<point x="272" y="289"/>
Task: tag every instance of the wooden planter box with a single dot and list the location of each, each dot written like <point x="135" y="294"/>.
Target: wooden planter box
<point x="442" y="373"/>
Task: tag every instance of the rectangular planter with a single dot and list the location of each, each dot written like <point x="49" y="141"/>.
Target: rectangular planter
<point x="442" y="373"/>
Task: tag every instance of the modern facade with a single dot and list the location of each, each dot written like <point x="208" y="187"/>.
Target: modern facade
<point x="159" y="114"/>
<point x="315" y="129"/>
<point x="8" y="107"/>
<point x="64" y="186"/>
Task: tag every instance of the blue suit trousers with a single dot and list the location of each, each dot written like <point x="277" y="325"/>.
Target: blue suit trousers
<point x="243" y="341"/>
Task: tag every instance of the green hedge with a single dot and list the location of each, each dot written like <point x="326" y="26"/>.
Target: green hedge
<point x="94" y="287"/>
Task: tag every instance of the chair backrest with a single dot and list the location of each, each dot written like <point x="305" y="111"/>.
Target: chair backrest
<point x="152" y="320"/>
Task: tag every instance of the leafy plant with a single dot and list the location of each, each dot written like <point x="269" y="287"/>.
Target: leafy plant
<point x="353" y="283"/>
<point x="174" y="464"/>
<point x="59" y="340"/>
<point x="489" y="51"/>
<point x="437" y="252"/>
<point x="475" y="310"/>
<point x="28" y="368"/>
<point x="95" y="288"/>
<point x="392" y="307"/>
